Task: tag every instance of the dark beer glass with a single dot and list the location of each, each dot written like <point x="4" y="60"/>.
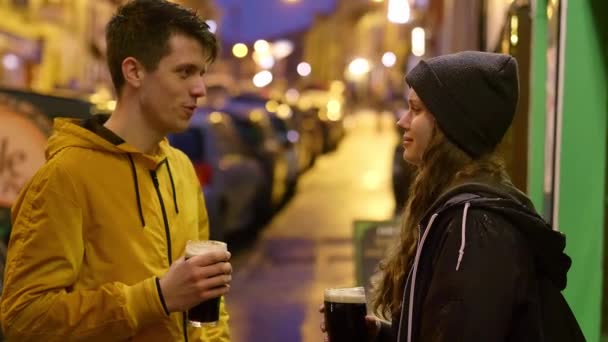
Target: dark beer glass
<point x="206" y="313"/>
<point x="345" y="310"/>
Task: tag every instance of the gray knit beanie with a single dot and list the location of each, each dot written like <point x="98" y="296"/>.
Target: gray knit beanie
<point x="471" y="94"/>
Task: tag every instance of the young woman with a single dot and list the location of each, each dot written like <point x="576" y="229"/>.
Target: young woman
<point x="474" y="261"/>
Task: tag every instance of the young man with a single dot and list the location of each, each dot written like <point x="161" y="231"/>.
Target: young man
<point x="98" y="232"/>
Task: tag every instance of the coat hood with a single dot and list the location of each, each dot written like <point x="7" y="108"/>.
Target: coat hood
<point x="92" y="135"/>
<point x="504" y="199"/>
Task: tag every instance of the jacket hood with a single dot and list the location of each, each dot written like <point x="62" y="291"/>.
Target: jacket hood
<point x="504" y="199"/>
<point x="92" y="135"/>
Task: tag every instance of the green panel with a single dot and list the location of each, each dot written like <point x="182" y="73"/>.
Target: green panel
<point x="372" y="239"/>
<point x="583" y="160"/>
<point x="536" y="162"/>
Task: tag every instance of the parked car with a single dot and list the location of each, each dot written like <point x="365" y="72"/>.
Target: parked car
<point x="285" y="130"/>
<point x="329" y="110"/>
<point x="311" y="132"/>
<point x="311" y="137"/>
<point x="255" y="128"/>
<point x="230" y="178"/>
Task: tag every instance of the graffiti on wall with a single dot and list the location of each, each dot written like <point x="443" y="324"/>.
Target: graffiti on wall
<point x="23" y="135"/>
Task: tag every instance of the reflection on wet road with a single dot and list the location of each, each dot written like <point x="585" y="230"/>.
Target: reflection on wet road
<point x="278" y="285"/>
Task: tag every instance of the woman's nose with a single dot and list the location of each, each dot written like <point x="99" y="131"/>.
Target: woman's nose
<point x="404" y="120"/>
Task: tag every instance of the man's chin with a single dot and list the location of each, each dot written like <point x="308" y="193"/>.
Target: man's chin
<point x="181" y="125"/>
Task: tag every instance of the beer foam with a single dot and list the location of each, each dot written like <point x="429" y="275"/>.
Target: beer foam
<point x="194" y="248"/>
<point x="348" y="295"/>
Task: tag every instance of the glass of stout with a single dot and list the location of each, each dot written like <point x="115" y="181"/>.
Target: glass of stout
<point x="206" y="313"/>
<point x="345" y="310"/>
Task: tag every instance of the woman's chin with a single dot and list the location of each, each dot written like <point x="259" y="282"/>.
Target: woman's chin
<point x="410" y="158"/>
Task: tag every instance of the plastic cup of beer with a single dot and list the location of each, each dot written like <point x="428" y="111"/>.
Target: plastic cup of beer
<point x="206" y="313"/>
<point x="345" y="310"/>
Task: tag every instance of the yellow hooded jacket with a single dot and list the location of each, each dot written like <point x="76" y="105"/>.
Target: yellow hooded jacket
<point x="92" y="232"/>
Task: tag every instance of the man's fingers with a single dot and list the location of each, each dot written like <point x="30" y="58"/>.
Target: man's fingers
<point x="214" y="293"/>
<point x="220" y="280"/>
<point x="210" y="258"/>
<point x="220" y="268"/>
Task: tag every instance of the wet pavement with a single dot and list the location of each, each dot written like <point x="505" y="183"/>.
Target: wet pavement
<point x="278" y="284"/>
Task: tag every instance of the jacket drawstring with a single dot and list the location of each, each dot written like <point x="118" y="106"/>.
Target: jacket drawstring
<point x="415" y="269"/>
<point x="137" y="195"/>
<point x="463" y="236"/>
<point x="172" y="187"/>
<point x="134" y="171"/>
<point x="412" y="289"/>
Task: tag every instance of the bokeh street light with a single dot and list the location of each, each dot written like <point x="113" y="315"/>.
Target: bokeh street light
<point x="240" y="50"/>
<point x="292" y="96"/>
<point x="264" y="60"/>
<point x="261" y="46"/>
<point x="212" y="25"/>
<point x="304" y="69"/>
<point x="359" y="66"/>
<point x="389" y="59"/>
<point x="272" y="106"/>
<point x="398" y="11"/>
<point x="262" y="79"/>
<point x="10" y="61"/>
<point x="514" y="27"/>
<point x="281" y="49"/>
<point x="418" y="41"/>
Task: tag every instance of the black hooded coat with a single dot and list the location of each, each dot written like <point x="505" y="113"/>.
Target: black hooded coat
<point x="487" y="268"/>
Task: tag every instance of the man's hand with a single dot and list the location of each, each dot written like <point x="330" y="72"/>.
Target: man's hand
<point x="190" y="282"/>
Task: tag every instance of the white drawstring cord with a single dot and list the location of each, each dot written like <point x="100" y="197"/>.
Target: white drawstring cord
<point x="415" y="267"/>
<point x="463" y="237"/>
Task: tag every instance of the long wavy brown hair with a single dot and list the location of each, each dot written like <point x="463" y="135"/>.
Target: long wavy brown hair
<point x="443" y="165"/>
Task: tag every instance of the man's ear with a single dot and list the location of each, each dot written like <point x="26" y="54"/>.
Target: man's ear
<point x="133" y="72"/>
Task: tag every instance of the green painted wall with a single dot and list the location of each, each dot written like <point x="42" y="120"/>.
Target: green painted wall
<point x="536" y="155"/>
<point x="583" y="162"/>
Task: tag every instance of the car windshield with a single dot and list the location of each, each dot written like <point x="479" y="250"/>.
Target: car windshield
<point x="226" y="138"/>
<point x="251" y="134"/>
<point x="191" y="142"/>
<point x="279" y="125"/>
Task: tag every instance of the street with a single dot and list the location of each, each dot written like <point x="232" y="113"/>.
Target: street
<point x="278" y="284"/>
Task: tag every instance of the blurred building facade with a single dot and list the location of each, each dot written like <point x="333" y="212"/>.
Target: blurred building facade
<point x="58" y="46"/>
<point x="567" y="154"/>
<point x="362" y="29"/>
<point x="49" y="45"/>
<point x="560" y="131"/>
<point x="358" y="30"/>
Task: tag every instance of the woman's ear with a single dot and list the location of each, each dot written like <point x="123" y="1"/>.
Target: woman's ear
<point x="133" y="72"/>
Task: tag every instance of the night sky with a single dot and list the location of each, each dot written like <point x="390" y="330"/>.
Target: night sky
<point x="249" y="20"/>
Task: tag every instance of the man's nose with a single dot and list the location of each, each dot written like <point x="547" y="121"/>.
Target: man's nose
<point x="199" y="89"/>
